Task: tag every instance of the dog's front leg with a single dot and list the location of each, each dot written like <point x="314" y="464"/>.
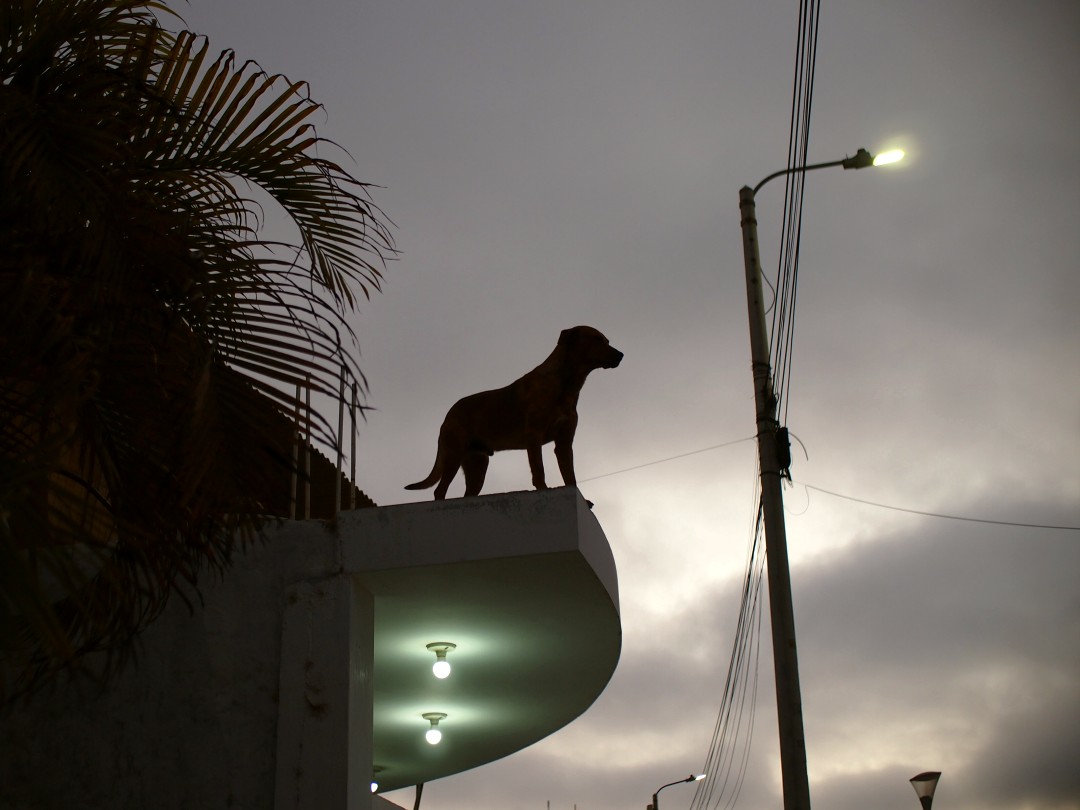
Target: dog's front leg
<point x="564" y="454"/>
<point x="564" y="449"/>
<point x="536" y="464"/>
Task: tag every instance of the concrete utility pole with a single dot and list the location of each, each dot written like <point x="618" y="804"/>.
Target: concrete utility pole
<point x="781" y="612"/>
<point x="782" y="617"/>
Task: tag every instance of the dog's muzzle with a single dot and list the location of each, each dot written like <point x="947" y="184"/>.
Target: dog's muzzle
<point x="614" y="360"/>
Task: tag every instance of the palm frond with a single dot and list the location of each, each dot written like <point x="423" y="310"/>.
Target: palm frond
<point x="151" y="338"/>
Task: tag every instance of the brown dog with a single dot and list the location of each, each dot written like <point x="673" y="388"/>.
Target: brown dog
<point x="538" y="408"/>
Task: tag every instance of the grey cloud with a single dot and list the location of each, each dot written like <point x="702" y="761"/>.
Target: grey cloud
<point x="560" y="163"/>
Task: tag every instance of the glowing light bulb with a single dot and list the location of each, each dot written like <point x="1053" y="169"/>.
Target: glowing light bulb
<point x="892" y="156"/>
<point x="441" y="667"/>
<point x="433" y="735"/>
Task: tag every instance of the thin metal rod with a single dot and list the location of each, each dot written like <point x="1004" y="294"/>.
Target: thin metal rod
<point x="307" y="455"/>
<point x="340" y="441"/>
<point x="295" y="457"/>
<point x="352" y="448"/>
<point x="795" y="169"/>
<point x="656" y="796"/>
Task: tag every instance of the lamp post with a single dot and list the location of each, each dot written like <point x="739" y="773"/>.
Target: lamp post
<point x="694" y="777"/>
<point x="925" y="784"/>
<point x="785" y="659"/>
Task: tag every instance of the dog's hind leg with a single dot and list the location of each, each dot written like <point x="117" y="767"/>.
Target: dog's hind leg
<point x="536" y="464"/>
<point x="475" y="466"/>
<point x="451" y="465"/>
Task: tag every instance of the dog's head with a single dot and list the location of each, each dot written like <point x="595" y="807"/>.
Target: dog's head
<point x="590" y="347"/>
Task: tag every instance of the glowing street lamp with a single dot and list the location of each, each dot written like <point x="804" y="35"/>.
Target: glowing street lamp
<point x="694" y="777"/>
<point x="925" y="784"/>
<point x="892" y="156"/>
<point x="796" y="783"/>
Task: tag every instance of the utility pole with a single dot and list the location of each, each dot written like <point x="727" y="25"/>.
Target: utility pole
<point x="781" y="612"/>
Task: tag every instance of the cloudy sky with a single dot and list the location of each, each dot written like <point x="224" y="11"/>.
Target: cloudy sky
<point x="555" y="163"/>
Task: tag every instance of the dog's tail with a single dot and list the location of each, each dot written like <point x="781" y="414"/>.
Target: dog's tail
<point x="433" y="476"/>
<point x="427" y="482"/>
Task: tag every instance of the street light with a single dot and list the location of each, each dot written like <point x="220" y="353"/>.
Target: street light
<point x="694" y="777"/>
<point x="785" y="658"/>
<point x="925" y="784"/>
<point x="892" y="156"/>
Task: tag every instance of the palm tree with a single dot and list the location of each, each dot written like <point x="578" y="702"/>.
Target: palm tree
<point x="151" y="342"/>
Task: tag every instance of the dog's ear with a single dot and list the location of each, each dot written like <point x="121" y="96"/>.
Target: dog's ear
<point x="567" y="336"/>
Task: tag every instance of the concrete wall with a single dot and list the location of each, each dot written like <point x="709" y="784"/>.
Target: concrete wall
<point x="194" y="723"/>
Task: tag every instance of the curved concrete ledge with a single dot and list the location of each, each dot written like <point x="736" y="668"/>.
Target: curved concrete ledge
<point x="523" y="583"/>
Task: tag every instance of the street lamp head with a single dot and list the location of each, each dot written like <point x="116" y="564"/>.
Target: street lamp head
<point x="925" y="784"/>
<point x="892" y="156"/>
<point x="860" y="160"/>
<point x="694" y="777"/>
<point x="863" y="159"/>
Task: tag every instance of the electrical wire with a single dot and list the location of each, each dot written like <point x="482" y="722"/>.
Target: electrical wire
<point x="669" y="458"/>
<point x="783" y="325"/>
<point x="940" y="514"/>
<point x="729" y="750"/>
<point x="865" y="502"/>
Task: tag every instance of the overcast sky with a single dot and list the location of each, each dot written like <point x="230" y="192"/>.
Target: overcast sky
<point x="570" y="162"/>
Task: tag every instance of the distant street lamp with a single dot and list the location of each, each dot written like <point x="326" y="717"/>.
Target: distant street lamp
<point x="785" y="660"/>
<point x="925" y="784"/>
<point x="694" y="777"/>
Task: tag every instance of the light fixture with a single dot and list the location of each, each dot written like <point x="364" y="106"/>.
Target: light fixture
<point x="441" y="667"/>
<point x="860" y="160"/>
<point x="433" y="735"/>
<point x="374" y="787"/>
<point x="925" y="784"/>
<point x="892" y="156"/>
<point x="694" y="777"/>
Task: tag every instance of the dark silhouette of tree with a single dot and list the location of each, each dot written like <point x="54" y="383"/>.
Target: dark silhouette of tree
<point x="150" y="341"/>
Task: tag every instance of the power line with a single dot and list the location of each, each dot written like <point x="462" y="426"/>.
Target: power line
<point x="669" y="458"/>
<point x="783" y="331"/>
<point x="865" y="502"/>
<point x="729" y="751"/>
<point x="940" y="514"/>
